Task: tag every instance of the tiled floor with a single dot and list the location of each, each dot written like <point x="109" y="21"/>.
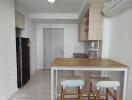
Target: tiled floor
<point x="38" y="88"/>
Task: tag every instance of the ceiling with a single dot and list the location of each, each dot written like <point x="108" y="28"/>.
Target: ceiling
<point x="68" y="11"/>
<point x="56" y="21"/>
<point x="43" y="6"/>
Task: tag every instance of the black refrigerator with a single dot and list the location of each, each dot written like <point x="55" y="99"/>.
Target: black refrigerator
<point x="23" y="60"/>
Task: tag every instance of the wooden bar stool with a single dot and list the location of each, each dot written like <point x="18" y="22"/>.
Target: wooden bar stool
<point x="72" y="84"/>
<point x="104" y="82"/>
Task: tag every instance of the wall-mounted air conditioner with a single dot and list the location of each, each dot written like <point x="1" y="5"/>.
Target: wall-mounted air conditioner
<point x="116" y="7"/>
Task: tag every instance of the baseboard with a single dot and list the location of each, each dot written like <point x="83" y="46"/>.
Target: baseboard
<point x="15" y="91"/>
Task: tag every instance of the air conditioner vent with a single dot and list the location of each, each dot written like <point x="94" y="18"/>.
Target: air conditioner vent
<point x="111" y="4"/>
<point x="116" y="7"/>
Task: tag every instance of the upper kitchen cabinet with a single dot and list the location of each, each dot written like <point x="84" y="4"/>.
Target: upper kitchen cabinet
<point x="83" y="27"/>
<point x="20" y="20"/>
<point x="91" y="25"/>
<point x="95" y="22"/>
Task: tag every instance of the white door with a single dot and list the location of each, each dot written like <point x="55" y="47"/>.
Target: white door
<point x="53" y="45"/>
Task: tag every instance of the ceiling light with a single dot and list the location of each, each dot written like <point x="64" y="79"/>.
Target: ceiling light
<point x="51" y="1"/>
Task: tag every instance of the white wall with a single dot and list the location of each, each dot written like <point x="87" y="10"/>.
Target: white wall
<point x="71" y="43"/>
<point x="8" y="72"/>
<point x="106" y="33"/>
<point x="29" y="32"/>
<point x="120" y="43"/>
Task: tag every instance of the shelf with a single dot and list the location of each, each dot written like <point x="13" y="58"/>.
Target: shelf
<point x="93" y="49"/>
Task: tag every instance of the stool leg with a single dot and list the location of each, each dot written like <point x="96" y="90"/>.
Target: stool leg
<point x="107" y="92"/>
<point x="115" y="94"/>
<point x="62" y="93"/>
<point x="78" y="93"/>
<point x="81" y="94"/>
<point x="97" y="94"/>
<point x="90" y="91"/>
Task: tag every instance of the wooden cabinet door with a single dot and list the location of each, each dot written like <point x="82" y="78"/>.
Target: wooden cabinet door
<point x="95" y="22"/>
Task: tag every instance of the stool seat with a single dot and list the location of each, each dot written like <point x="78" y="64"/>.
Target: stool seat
<point x="108" y="84"/>
<point x="72" y="83"/>
<point x="105" y="82"/>
<point x="95" y="80"/>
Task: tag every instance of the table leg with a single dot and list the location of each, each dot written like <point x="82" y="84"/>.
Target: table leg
<point x="52" y="84"/>
<point x="56" y="83"/>
<point x="125" y="84"/>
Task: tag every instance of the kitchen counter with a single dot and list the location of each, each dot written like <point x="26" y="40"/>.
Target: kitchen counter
<point x="81" y="62"/>
<point x="85" y="64"/>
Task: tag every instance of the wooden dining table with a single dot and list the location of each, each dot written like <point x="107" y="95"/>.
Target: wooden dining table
<point x="85" y="64"/>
